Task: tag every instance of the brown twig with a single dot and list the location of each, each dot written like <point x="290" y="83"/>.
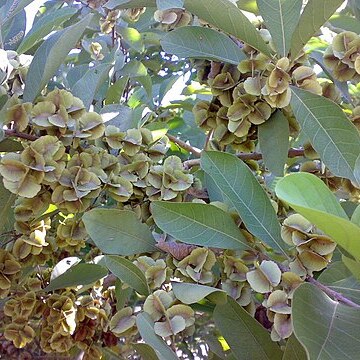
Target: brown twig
<point x="14" y="133"/>
<point x="332" y="293"/>
<point x="184" y="145"/>
<point x="246" y="156"/>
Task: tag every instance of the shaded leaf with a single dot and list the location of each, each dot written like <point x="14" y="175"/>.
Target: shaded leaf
<point x="333" y="136"/>
<point x="88" y="86"/>
<point x="202" y="43"/>
<point x="145" y="351"/>
<point x="239" y="185"/>
<point x="355" y="218"/>
<point x="274" y="142"/>
<point x="294" y="350"/>
<point x="80" y="274"/>
<point x="7" y="200"/>
<point x="50" y="55"/>
<point x="10" y="145"/>
<point x="169" y="4"/>
<point x="345" y="22"/>
<point x="132" y="37"/>
<point x="14" y="31"/>
<point x="198" y="224"/>
<point x="247" y="338"/>
<point x="326" y="328"/>
<point x="116" y="90"/>
<point x="44" y="26"/>
<point x="352" y="265"/>
<point x="281" y="18"/>
<point x="339" y="278"/>
<point x="145" y="326"/>
<point x="228" y="17"/>
<point x="127" y="272"/>
<point x="310" y="197"/>
<point x="118" y="232"/>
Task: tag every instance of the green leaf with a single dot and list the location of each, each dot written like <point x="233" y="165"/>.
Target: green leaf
<point x="88" y="86"/>
<point x="310" y="197"/>
<point x="44" y="26"/>
<point x="281" y="18"/>
<point x="315" y="14"/>
<point x="14" y="31"/>
<point x="127" y="4"/>
<point x="127" y="272"/>
<point x="294" y="350"/>
<point x="202" y="43"/>
<point x="145" y="326"/>
<point x="11" y="9"/>
<point x="339" y="278"/>
<point x="228" y="17"/>
<point x="355" y="218"/>
<point x="81" y="274"/>
<point x="134" y="68"/>
<point x="118" y="232"/>
<point x="193" y="293"/>
<point x="333" y="136"/>
<point x="274" y="142"/>
<point x="352" y="265"/>
<point x="7" y="200"/>
<point x="247" y="338"/>
<point x="145" y="351"/>
<point x="240" y="186"/>
<point x="10" y="145"/>
<point x="198" y="224"/>
<point x="345" y="22"/>
<point x="327" y="329"/>
<point x="50" y="55"/>
<point x="169" y="4"/>
<point x="116" y="90"/>
<point x="132" y="37"/>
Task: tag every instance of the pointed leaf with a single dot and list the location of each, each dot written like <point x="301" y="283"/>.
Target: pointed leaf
<point x="310" y="197"/>
<point x="118" y="232"/>
<point x="247" y="338"/>
<point x="88" y="86"/>
<point x="240" y="186"/>
<point x="202" y="43"/>
<point x="274" y="142"/>
<point x="355" y="218"/>
<point x="198" y="224"/>
<point x="44" y="26"/>
<point x="80" y="274"/>
<point x="340" y="279"/>
<point x="127" y="272"/>
<point x="226" y="16"/>
<point x="327" y="329"/>
<point x="294" y="350"/>
<point x="193" y="293"/>
<point x="281" y="18"/>
<point x="145" y="326"/>
<point x="50" y="55"/>
<point x="315" y="14"/>
<point x="331" y="133"/>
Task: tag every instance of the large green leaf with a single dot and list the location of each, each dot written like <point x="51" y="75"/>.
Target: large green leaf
<point x="274" y="142"/>
<point x="240" y="186"/>
<point x="198" y="224"/>
<point x="88" y="86"/>
<point x="294" y="350"/>
<point x="118" y="232"/>
<point x="310" y="197"/>
<point x="352" y="265"/>
<point x="339" y="278"/>
<point x="247" y="338"/>
<point x="11" y="8"/>
<point x="125" y="4"/>
<point x="145" y="351"/>
<point x="145" y="326"/>
<point x="80" y="274"/>
<point x="331" y="133"/>
<point x="327" y="329"/>
<point x="7" y="200"/>
<point x="127" y="272"/>
<point x="169" y="4"/>
<point x="202" y="43"/>
<point x="315" y="14"/>
<point x="226" y="16"/>
<point x="281" y="18"/>
<point x="345" y="22"/>
<point x="192" y="293"/>
<point x="44" y="26"/>
<point x="50" y="55"/>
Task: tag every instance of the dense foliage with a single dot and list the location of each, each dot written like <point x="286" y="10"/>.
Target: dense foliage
<point x="180" y="179"/>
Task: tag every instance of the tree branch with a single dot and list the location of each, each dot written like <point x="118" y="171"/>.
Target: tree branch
<point x="14" y="133"/>
<point x="247" y="156"/>
<point x="184" y="145"/>
<point x="332" y="293"/>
